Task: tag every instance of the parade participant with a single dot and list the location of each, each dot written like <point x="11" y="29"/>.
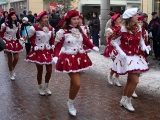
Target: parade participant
<point x="129" y="61"/>
<point x="144" y="31"/>
<point x="25" y="33"/>
<point x="42" y="45"/>
<point x="72" y="59"/>
<point x="85" y="30"/>
<point x="110" y="52"/>
<point x="10" y="31"/>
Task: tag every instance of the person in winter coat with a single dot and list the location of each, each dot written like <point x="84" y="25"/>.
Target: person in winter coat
<point x="95" y="28"/>
<point x="25" y="33"/>
<point x="153" y="27"/>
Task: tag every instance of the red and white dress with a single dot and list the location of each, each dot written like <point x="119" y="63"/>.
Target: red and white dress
<point x="11" y="36"/>
<point x="130" y="44"/>
<point x="86" y="32"/>
<point x="110" y="51"/>
<point x="43" y="40"/>
<point x="73" y="58"/>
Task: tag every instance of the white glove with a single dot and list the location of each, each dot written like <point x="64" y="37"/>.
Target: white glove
<point x="143" y="46"/>
<point x="149" y="47"/>
<point x="21" y="39"/>
<point x="123" y="55"/>
<point x="150" y="35"/>
<point x="53" y="47"/>
<point x="95" y="49"/>
<point x="35" y="48"/>
<point x="55" y="59"/>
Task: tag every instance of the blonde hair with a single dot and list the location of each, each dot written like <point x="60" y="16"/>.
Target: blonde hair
<point x="41" y="25"/>
<point x="128" y="24"/>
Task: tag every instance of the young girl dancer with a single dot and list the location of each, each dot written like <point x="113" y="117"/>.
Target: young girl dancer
<point x="10" y="32"/>
<point x="73" y="59"/>
<point x="110" y="52"/>
<point x="129" y="58"/>
<point x="41" y="53"/>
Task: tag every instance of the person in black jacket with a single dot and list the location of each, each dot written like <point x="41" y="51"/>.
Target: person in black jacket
<point x="31" y="18"/>
<point x="4" y="18"/>
<point x="95" y="28"/>
<point x="153" y="27"/>
<point x="54" y="19"/>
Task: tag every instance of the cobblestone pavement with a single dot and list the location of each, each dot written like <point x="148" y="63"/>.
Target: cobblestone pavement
<point x="96" y="100"/>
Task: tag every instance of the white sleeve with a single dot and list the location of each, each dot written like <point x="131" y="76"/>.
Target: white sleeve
<point x="3" y="26"/>
<point x="31" y="31"/>
<point x="59" y="35"/>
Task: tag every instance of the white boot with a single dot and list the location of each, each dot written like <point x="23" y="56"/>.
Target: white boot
<point x="109" y="77"/>
<point x="47" y="90"/>
<point x="122" y="102"/>
<point x="116" y="82"/>
<point x="41" y="91"/>
<point x="71" y="108"/>
<point x="12" y="75"/>
<point x="134" y="95"/>
<point x="128" y="104"/>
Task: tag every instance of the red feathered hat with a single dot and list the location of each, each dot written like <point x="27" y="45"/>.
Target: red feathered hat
<point x="111" y="13"/>
<point x="71" y="13"/>
<point x="41" y="15"/>
<point x="114" y="17"/>
<point x="140" y="17"/>
<point x="80" y="16"/>
<point x="10" y="14"/>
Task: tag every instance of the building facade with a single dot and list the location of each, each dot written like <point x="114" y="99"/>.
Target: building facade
<point x="36" y="6"/>
<point x="86" y="6"/>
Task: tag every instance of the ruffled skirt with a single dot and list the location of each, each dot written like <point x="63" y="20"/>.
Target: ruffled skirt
<point x="13" y="46"/>
<point x="40" y="56"/>
<point x="68" y="63"/>
<point x="132" y="64"/>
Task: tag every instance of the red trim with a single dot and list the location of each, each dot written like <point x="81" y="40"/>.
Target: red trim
<point x="130" y="71"/>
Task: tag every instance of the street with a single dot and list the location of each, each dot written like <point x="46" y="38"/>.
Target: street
<point x="96" y="100"/>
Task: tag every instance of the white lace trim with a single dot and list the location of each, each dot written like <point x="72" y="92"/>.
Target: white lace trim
<point x="41" y="63"/>
<point x="13" y="51"/>
<point x="74" y="71"/>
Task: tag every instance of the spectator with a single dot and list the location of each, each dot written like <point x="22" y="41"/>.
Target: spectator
<point x="54" y="19"/>
<point x="153" y="27"/>
<point x="21" y="17"/>
<point x="35" y="16"/>
<point x="145" y="24"/>
<point x="24" y="13"/>
<point x="25" y="32"/>
<point x="5" y="17"/>
<point x="95" y="28"/>
<point x="31" y="18"/>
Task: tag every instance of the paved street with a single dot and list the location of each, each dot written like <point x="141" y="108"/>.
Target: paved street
<point x="96" y="100"/>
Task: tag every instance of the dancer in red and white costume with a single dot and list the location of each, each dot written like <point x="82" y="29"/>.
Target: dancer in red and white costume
<point x="73" y="59"/>
<point x="144" y="34"/>
<point x="42" y="45"/>
<point x="10" y="32"/>
<point x="113" y="32"/>
<point x="129" y="60"/>
<point x="85" y="30"/>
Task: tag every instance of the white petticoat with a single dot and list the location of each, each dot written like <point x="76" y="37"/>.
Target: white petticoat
<point x="132" y="64"/>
